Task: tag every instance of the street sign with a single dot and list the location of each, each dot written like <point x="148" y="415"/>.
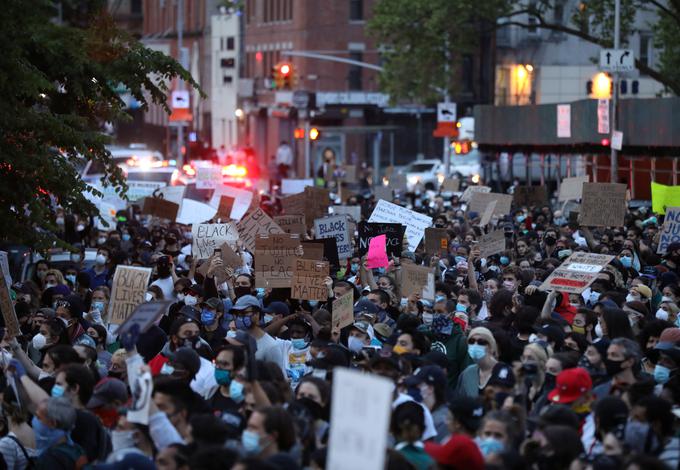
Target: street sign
<point x="617" y="140"/>
<point x="603" y="116"/>
<point x="446" y="112"/>
<point x="300" y="99"/>
<point x="617" y="60"/>
<point x="180" y="99"/>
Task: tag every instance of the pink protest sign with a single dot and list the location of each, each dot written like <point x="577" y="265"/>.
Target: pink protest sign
<point x="377" y="254"/>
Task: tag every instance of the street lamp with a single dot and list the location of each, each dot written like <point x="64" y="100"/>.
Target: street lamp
<point x="239" y="113"/>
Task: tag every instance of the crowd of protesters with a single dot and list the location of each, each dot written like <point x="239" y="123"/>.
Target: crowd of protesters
<point x="492" y="372"/>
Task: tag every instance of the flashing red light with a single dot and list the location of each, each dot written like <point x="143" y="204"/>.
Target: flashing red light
<point x="235" y="171"/>
<point x="285" y="69"/>
<point x="605" y="142"/>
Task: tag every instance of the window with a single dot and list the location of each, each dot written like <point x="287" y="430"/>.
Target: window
<point x="354" y="75"/>
<point x="645" y="47"/>
<point x="230" y="43"/>
<point x="227" y="63"/>
<point x="227" y="79"/>
<point x="356" y="10"/>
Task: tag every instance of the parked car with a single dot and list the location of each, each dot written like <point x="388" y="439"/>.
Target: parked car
<point x="426" y="173"/>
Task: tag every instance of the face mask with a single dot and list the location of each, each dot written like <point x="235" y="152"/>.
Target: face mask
<point x="115" y="374"/>
<point x="101" y="240"/>
<point x="190" y="300"/>
<point x="626" y="261"/>
<point x="191" y="342"/>
<point x="266" y="319"/>
<point x="354" y="267"/>
<point x="509" y="285"/>
<point x="251" y="442"/>
<point x="505" y="260"/>
<point x="39" y="341"/>
<point x="461" y="308"/>
<point x="313" y="303"/>
<point x="598" y="331"/>
<point x="260" y="292"/>
<point x="380" y="271"/>
<point x="207" y="317"/>
<point x="632" y="298"/>
<point x="45" y="436"/>
<point x="241" y="291"/>
<point x="98" y="305"/>
<point x="57" y="391"/>
<point x="427" y="318"/>
<point x="148" y="297"/>
<point x="231" y="334"/>
<point x="59" y="220"/>
<point x="222" y="376"/>
<point x="398" y="349"/>
<point x="489" y="445"/>
<point x="126" y="237"/>
<point x="563" y="253"/>
<point x="459" y="259"/>
<point x="355" y="344"/>
<point x="476" y="352"/>
<point x="661" y="314"/>
<point x="440" y="298"/>
<point x="578" y="329"/>
<point x="75" y="258"/>
<point x="550" y="241"/>
<point x="80" y="227"/>
<point x="613" y="367"/>
<point x="40" y="274"/>
<point x="180" y="297"/>
<point x="49" y="285"/>
<point x="662" y="374"/>
<point x="71" y="278"/>
<point x="123" y="440"/>
<point x="243" y="322"/>
<point x="593" y="297"/>
<point x="167" y="369"/>
<point x="549" y="381"/>
<point x="236" y="391"/>
<point x="520" y="218"/>
<point x="299" y="343"/>
<point x="100" y="260"/>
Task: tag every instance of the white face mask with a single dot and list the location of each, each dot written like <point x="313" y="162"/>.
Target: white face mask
<point x="100" y="260"/>
<point x="631" y="298"/>
<point x="598" y="330"/>
<point x="50" y="284"/>
<point x="661" y="314"/>
<point x="427" y="318"/>
<point x="509" y="285"/>
<point x="75" y="258"/>
<point x="180" y="296"/>
<point x="39" y="341"/>
<point x="190" y="300"/>
<point x="101" y="240"/>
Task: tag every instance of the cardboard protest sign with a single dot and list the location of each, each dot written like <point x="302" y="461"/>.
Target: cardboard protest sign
<point x="256" y="223"/>
<point x="436" y="240"/>
<point x="491" y="243"/>
<point x="360" y="417"/>
<point x="242" y="200"/>
<point x="479" y="201"/>
<point x="394" y="233"/>
<point x="413" y="278"/>
<point x="664" y="196"/>
<point x="294" y="223"/>
<point x="295" y="186"/>
<point x="467" y="194"/>
<point x="530" y="196"/>
<point x="353" y="212"/>
<point x="128" y="288"/>
<point x="383" y="193"/>
<point x="8" y="313"/>
<point x="144" y="315"/>
<point x="313" y="250"/>
<point x="316" y="204"/>
<point x="415" y="222"/>
<point x="330" y="251"/>
<point x="208" y="177"/>
<point x="398" y="182"/>
<point x="308" y="280"/>
<point x="487" y="214"/>
<point x="230" y="258"/>
<point x="450" y="185"/>
<point x="429" y="291"/>
<point x="274" y="256"/>
<point x="207" y="237"/>
<point x="603" y="204"/>
<point x="294" y="204"/>
<point x="670" y="232"/>
<point x="159" y="207"/>
<point x="572" y="188"/>
<point x="377" y="255"/>
<point x="335" y="226"/>
<point x="347" y="173"/>
<point x="225" y="207"/>
<point x="4" y="265"/>
<point x="576" y="273"/>
<point x="343" y="310"/>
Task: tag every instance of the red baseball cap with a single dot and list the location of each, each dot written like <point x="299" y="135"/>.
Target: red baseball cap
<point x="571" y="384"/>
<point x="459" y="452"/>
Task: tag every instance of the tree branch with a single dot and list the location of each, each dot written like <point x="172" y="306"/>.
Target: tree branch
<point x="666" y="10"/>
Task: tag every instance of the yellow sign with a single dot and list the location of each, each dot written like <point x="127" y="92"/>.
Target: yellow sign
<point x="664" y="196"/>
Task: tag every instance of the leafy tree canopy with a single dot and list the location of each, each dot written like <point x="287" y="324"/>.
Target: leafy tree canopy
<point x="57" y="81"/>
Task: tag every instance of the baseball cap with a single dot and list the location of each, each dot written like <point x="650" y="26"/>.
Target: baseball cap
<point x="502" y="376"/>
<point x="383" y="330"/>
<point x="571" y="384"/>
<point x="437" y="358"/>
<point x="107" y="391"/>
<point x="467" y="410"/>
<point x="669" y="339"/>
<point x="188" y="358"/>
<point x="329" y="357"/>
<point x="277" y="308"/>
<point x="459" y="452"/>
<point x="431" y="375"/>
<point x="245" y="302"/>
<point x="212" y="302"/>
<point x="190" y="312"/>
<point x="365" y="306"/>
<point x="46" y="312"/>
<point x="364" y="327"/>
<point x="196" y="289"/>
<point x="643" y="290"/>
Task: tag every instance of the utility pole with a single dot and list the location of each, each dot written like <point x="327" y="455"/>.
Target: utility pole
<point x="180" y="83"/>
<point x="614" y="162"/>
<point x="308" y="149"/>
<point x="447" y="98"/>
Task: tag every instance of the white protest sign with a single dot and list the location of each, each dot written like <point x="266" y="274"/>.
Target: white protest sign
<point x="173" y="194"/>
<point x="670" y="232"/>
<point x="617" y="140"/>
<point x="107" y="215"/>
<point x="492" y="243"/>
<point x="360" y="417"/>
<point x="603" y="116"/>
<point x="415" y="222"/>
<point x="571" y="189"/>
<point x="467" y="194"/>
<point x="141" y="189"/>
<point x="291" y="186"/>
<point x="564" y="121"/>
<point x="242" y="200"/>
<point x="337" y="227"/>
<point x="208" y="177"/>
<point x="207" y="237"/>
<point x="576" y="273"/>
<point x="194" y="212"/>
<point x="141" y="399"/>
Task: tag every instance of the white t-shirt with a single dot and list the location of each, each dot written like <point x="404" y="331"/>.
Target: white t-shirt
<point x="270" y="351"/>
<point x="167" y="285"/>
<point x="294" y="361"/>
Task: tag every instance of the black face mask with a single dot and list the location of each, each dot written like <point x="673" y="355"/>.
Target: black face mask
<point x="115" y="374"/>
<point x="163" y="272"/>
<point x="241" y="291"/>
<point x="549" y="381"/>
<point x="190" y="342"/>
<point x="550" y="241"/>
<point x="613" y="367"/>
<point x="652" y="354"/>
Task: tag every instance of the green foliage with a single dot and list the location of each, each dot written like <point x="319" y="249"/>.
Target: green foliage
<point x="55" y="84"/>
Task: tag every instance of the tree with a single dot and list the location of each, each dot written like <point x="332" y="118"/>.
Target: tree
<point x="57" y="84"/>
<point x="421" y="36"/>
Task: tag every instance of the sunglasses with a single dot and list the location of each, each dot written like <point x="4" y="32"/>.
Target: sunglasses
<point x="63" y="303"/>
<point x="480" y="341"/>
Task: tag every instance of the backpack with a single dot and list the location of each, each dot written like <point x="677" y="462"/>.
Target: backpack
<point x="30" y="464"/>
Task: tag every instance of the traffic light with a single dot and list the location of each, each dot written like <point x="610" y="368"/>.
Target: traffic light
<point x="283" y="76"/>
<point x="461" y="148"/>
<point x="299" y="133"/>
<point x="314" y="133"/>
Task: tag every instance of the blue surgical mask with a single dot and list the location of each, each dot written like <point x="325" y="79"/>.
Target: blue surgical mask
<point x="626" y="261"/>
<point x="267" y="319"/>
<point x="489" y="445"/>
<point x="521" y="218"/>
<point x="260" y="293"/>
<point x="207" y="317"/>
<point x="45" y="436"/>
<point x="505" y="260"/>
<point x="461" y="308"/>
<point x="661" y="374"/>
<point x="354" y="267"/>
<point x="71" y="278"/>
<point x="440" y="298"/>
<point x="236" y="391"/>
<point x="251" y="442"/>
<point x="354" y="344"/>
<point x="98" y="305"/>
<point x="126" y="237"/>
<point x="167" y="369"/>
<point x="476" y="352"/>
<point x="379" y="271"/>
<point x="222" y="376"/>
<point x="313" y="303"/>
<point x="593" y="298"/>
<point x="243" y="322"/>
<point x="460" y="259"/>
<point x="299" y="343"/>
<point x="57" y="391"/>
